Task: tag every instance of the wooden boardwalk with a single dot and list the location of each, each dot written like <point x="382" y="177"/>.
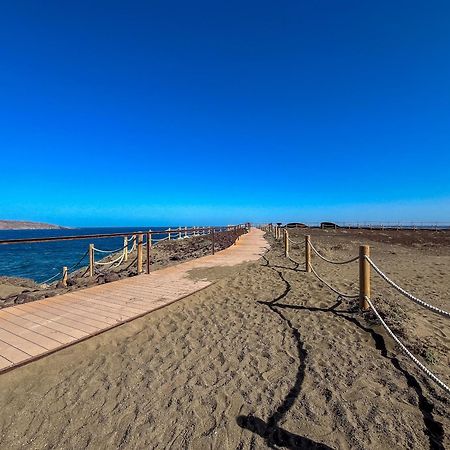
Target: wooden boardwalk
<point x="32" y="330"/>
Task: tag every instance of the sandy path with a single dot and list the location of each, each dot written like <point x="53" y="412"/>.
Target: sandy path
<point x="266" y="357"/>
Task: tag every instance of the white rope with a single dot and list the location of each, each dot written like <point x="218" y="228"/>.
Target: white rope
<point x="293" y="260"/>
<point x="408" y="353"/>
<point x="99" y="263"/>
<point x="329" y="260"/>
<point x="294" y="242"/>
<point x="155" y="241"/>
<point x="51" y="278"/>
<point x="105" y="251"/>
<point x="407" y="294"/>
<point x="331" y="287"/>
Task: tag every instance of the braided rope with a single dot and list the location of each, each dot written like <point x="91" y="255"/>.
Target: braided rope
<point x="79" y="261"/>
<point x="293" y="260"/>
<point x="294" y="242"/>
<point x="331" y="287"/>
<point x="407" y="294"/>
<point x="51" y="278"/>
<point x="408" y="353"/>
<point x="155" y="241"/>
<point x="99" y="263"/>
<point x="107" y="251"/>
<point x="329" y="260"/>
<point x="68" y="270"/>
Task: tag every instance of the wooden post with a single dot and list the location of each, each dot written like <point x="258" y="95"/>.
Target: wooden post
<point x="168" y="234"/>
<point x="213" y="240"/>
<point x="179" y="232"/>
<point x="125" y="248"/>
<point x="149" y="246"/>
<point x="364" y="277"/>
<point x="91" y="260"/>
<point x="307" y="254"/>
<point x="185" y="232"/>
<point x="286" y="243"/>
<point x="64" y="276"/>
<point x="139" y="253"/>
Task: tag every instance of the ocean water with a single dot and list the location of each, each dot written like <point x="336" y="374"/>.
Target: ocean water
<point x="42" y="260"/>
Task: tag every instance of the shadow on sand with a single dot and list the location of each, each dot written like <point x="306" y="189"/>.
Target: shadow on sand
<point x="276" y="436"/>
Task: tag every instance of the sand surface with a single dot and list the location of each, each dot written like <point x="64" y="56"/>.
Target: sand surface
<point x="265" y="357"/>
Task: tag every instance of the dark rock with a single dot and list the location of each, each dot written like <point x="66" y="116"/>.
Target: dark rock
<point x="24" y="297"/>
<point x="113" y="276"/>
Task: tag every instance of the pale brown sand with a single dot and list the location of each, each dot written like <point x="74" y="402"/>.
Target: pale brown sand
<point x="228" y="369"/>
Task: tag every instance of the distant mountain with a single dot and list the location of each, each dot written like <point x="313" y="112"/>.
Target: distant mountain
<point x="24" y="225"/>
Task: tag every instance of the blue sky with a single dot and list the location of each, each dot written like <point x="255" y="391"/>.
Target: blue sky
<point x="155" y="112"/>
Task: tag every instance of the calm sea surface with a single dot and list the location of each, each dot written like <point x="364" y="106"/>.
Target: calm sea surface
<point x="40" y="261"/>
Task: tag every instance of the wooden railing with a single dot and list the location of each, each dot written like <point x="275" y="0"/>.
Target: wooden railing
<point x="141" y="238"/>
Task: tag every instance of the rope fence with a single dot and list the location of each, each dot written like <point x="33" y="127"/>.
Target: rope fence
<point x="138" y="241"/>
<point x="407" y="352"/>
<point x="402" y="291"/>
<point x="365" y="302"/>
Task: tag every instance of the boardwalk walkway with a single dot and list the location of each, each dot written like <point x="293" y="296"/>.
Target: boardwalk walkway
<point x="32" y="330"/>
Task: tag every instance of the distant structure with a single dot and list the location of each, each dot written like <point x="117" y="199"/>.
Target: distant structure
<point x="332" y="225"/>
<point x="296" y="225"/>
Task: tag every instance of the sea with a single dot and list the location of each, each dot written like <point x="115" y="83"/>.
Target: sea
<point x="40" y="261"/>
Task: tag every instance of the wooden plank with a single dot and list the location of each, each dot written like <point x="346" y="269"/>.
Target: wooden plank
<point x="4" y="363"/>
<point x="47" y="313"/>
<point x="116" y="294"/>
<point x="20" y="343"/>
<point x="12" y="353"/>
<point x="32" y="336"/>
<point x="109" y="303"/>
<point x="73" y="314"/>
<point x="76" y="304"/>
<point x="45" y="330"/>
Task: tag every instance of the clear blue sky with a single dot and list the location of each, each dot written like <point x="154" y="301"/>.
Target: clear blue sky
<point x="156" y="112"/>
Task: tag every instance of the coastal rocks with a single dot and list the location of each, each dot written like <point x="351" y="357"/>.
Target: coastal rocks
<point x="22" y="290"/>
<point x="108" y="278"/>
<point x="24" y="297"/>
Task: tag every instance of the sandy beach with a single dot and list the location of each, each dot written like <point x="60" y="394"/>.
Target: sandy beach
<point x="267" y="357"/>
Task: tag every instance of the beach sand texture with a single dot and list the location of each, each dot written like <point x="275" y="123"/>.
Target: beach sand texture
<point x="265" y="357"/>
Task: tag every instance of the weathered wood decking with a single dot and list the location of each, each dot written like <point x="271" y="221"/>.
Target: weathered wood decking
<point x="32" y="330"/>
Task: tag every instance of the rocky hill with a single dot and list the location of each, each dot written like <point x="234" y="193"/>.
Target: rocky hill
<point x="25" y="225"/>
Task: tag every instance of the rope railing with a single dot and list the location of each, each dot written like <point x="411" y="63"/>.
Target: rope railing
<point x="407" y="352"/>
<point x="331" y="287"/>
<point x="132" y="239"/>
<point x="365" y="263"/>
<point x="402" y="291"/>
<point x="79" y="261"/>
<point x="329" y="260"/>
<point x="51" y="278"/>
<point x="71" y="268"/>
<point x="122" y="252"/>
<point x="105" y="263"/>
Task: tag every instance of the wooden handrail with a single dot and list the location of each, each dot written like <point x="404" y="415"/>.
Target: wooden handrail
<point x="107" y="235"/>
